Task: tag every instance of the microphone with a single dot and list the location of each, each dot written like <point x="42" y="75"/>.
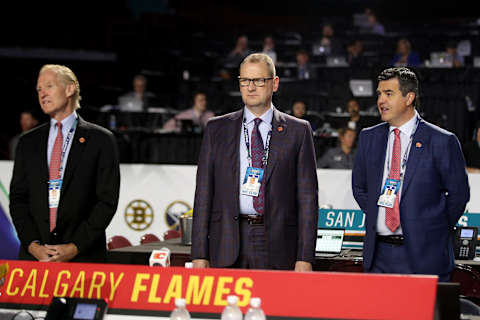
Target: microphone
<point x="160" y="258"/>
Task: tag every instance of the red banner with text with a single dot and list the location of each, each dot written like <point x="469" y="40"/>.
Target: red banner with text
<point x="283" y="293"/>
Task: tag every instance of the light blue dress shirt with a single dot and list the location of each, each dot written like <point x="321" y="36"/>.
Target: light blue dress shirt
<point x="67" y="124"/>
<point x="246" y="202"/>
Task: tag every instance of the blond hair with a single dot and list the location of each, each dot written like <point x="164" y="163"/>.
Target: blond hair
<point x="261" y="57"/>
<point x="67" y="77"/>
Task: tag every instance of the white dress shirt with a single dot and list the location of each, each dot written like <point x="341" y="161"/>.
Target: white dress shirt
<point x="406" y="131"/>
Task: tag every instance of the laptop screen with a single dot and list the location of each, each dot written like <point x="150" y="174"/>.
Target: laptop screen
<point x="329" y="240"/>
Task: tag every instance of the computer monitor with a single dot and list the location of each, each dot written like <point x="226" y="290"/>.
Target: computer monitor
<point x="329" y="241"/>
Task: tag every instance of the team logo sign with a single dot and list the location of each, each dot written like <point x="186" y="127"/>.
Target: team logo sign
<point x="139" y="215"/>
<point x="3" y="273"/>
<point x="173" y="213"/>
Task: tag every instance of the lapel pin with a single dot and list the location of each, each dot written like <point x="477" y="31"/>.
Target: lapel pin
<point x="418" y="145"/>
<point x="82" y="140"/>
<point x="280" y="129"/>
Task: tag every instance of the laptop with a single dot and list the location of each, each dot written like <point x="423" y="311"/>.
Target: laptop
<point x="130" y="104"/>
<point x="361" y="88"/>
<point x="440" y="60"/>
<point x="476" y="62"/>
<point x="329" y="242"/>
<point x="337" y="61"/>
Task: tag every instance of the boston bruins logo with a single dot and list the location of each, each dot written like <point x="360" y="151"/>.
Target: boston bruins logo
<point x="138" y="215"/>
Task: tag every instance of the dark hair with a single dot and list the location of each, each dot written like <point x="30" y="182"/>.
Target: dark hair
<point x="407" y="81"/>
<point x="342" y="131"/>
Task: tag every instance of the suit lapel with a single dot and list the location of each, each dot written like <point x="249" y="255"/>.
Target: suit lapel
<point x="232" y="151"/>
<point x="279" y="131"/>
<point x="414" y="156"/>
<point x="43" y="169"/>
<point x="379" y="162"/>
<point x="79" y="141"/>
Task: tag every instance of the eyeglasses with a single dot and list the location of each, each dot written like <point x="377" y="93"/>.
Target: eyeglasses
<point x="258" y="82"/>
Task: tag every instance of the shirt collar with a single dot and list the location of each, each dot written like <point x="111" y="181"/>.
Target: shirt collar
<point x="67" y="123"/>
<point x="267" y="117"/>
<point x="407" y="127"/>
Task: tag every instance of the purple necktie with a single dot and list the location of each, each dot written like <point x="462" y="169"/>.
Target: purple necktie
<point x="258" y="152"/>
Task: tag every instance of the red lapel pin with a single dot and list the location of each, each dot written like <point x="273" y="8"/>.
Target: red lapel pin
<point x="82" y="140"/>
<point x="280" y="129"/>
<point x="418" y="145"/>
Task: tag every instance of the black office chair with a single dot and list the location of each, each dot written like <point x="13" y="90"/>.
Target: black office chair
<point x="468" y="307"/>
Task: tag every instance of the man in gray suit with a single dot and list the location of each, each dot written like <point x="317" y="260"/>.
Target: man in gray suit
<point x="256" y="199"/>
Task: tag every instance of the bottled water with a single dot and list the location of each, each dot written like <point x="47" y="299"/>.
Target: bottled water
<point x="255" y="312"/>
<point x="180" y="312"/>
<point x="231" y="311"/>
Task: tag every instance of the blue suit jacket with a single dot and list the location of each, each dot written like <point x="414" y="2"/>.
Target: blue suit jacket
<point x="435" y="192"/>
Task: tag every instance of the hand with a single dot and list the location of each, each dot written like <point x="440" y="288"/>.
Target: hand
<point x="41" y="253"/>
<point x="63" y="252"/>
<point x="303" y="266"/>
<point x="201" y="263"/>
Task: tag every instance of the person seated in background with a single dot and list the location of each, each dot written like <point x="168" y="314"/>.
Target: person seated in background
<point x="304" y="70"/>
<point x="269" y="48"/>
<point x="458" y="61"/>
<point x="355" y="57"/>
<point x="299" y="110"/>
<point x="355" y="121"/>
<point x="239" y="52"/>
<point x="405" y="56"/>
<point x="340" y="157"/>
<point x="374" y="27"/>
<point x="471" y="151"/>
<point x="28" y="121"/>
<point x="328" y="45"/>
<point x="197" y="114"/>
<point x="139" y="99"/>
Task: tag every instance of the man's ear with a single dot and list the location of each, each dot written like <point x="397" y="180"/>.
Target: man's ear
<point x="410" y="98"/>
<point x="70" y="89"/>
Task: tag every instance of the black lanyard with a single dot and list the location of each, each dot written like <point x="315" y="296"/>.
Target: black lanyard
<point x="266" y="149"/>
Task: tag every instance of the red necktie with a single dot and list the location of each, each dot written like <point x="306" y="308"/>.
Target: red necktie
<point x="258" y="152"/>
<point x="392" y="215"/>
<point x="54" y="170"/>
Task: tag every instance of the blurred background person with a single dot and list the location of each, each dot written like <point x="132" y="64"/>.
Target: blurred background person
<point x="139" y="99"/>
<point x="239" y="52"/>
<point x="355" y="57"/>
<point x="328" y="44"/>
<point x="340" y="157"/>
<point x="269" y="48"/>
<point x="355" y="121"/>
<point x="471" y="151"/>
<point x="305" y="71"/>
<point x="198" y="114"/>
<point x="299" y="110"/>
<point x="28" y="120"/>
<point x="404" y="55"/>
<point x="451" y="49"/>
<point x="374" y="26"/>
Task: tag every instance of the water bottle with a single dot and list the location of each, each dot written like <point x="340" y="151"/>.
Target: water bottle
<point x="188" y="265"/>
<point x="180" y="312"/>
<point x="231" y="311"/>
<point x="255" y="312"/>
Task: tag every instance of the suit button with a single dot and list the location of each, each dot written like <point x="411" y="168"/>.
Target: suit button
<point x="235" y="218"/>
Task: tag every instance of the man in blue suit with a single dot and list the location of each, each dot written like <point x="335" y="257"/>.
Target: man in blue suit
<point x="409" y="232"/>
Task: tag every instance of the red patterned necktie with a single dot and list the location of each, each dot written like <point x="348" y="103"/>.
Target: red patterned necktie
<point x="392" y="215"/>
<point x="54" y="170"/>
<point x="258" y="152"/>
